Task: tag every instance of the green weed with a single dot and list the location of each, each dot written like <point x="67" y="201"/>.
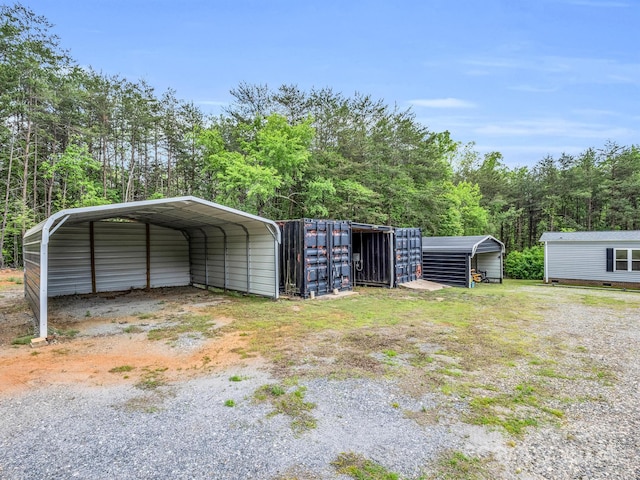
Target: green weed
<point x="132" y="329"/>
<point x="184" y="324"/>
<point x="456" y="465"/>
<point x="152" y="379"/>
<point x="358" y="467"/>
<point x="290" y="403"/>
<point x="23" y="340"/>
<point x="122" y="369"/>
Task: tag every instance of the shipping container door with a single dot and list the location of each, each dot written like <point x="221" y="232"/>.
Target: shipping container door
<point x="408" y="254"/>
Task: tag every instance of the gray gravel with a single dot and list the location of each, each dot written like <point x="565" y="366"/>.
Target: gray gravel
<point x="94" y="433"/>
<point x="599" y="438"/>
<point x="184" y="431"/>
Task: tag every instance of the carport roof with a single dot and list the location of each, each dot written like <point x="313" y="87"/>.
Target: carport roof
<point x="467" y="244"/>
<point x="181" y="213"/>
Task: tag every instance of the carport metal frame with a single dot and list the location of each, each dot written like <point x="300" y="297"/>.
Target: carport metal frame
<point x="154" y="212"/>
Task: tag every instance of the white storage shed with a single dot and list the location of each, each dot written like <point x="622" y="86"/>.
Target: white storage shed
<point x="153" y="243"/>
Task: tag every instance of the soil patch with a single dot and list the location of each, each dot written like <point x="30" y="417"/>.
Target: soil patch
<point x="96" y="335"/>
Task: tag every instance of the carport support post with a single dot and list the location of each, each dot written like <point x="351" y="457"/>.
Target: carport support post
<point x="44" y="280"/>
<point x="148" y="235"/>
<point x="92" y="249"/>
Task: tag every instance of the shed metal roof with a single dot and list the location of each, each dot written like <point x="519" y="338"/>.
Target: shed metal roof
<point x="180" y="213"/>
<point x="468" y="244"/>
<point x="613" y="236"/>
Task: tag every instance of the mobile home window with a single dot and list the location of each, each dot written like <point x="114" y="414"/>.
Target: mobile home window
<point x="627" y="260"/>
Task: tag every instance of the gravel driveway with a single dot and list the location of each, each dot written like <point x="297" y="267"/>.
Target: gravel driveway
<point x="184" y="430"/>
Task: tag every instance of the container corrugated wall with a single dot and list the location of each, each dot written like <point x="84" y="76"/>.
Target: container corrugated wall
<point x="408" y="255"/>
<point x="315" y="256"/>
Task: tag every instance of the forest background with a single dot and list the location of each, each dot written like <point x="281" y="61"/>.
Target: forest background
<point x="73" y="137"/>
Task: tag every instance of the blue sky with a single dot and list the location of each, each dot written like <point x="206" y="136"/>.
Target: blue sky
<point x="525" y="78"/>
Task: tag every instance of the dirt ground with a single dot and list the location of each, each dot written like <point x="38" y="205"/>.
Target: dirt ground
<point x="96" y="334"/>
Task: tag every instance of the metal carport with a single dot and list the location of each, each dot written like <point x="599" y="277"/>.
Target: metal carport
<point x="449" y="260"/>
<point x="146" y="244"/>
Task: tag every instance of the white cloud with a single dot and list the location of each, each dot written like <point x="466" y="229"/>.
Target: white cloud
<point x="569" y="70"/>
<point x="442" y="103"/>
<point x="554" y="127"/>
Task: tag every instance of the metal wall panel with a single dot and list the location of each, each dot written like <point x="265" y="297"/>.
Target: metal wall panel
<point x="491" y="263"/>
<point x="315" y="256"/>
<point x="197" y="257"/>
<point x="408" y="255"/>
<point x="120" y="256"/>
<point x="31" y="253"/>
<point x="447" y="268"/>
<point x="169" y="257"/>
<point x="70" y="261"/>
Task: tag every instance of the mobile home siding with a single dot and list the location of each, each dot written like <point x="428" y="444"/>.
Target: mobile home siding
<point x="586" y="261"/>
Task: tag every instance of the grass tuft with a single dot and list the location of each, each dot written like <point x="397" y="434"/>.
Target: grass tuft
<point x="290" y="403"/>
<point x="358" y="467"/>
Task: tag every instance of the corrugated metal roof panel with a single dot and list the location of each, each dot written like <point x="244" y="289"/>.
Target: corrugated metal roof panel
<point x="467" y="244"/>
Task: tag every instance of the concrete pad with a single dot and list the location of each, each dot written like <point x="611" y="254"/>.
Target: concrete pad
<point x="423" y="285"/>
<point x="39" y="342"/>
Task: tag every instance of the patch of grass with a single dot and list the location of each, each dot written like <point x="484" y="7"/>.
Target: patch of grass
<point x="184" y="324"/>
<point x="358" y="467"/>
<point x="149" y="402"/>
<point x="229" y="403"/>
<point x="551" y="373"/>
<point x="70" y="333"/>
<point x="456" y="465"/>
<point x="23" y="340"/>
<point x="145" y="316"/>
<point x="242" y="352"/>
<point x="152" y="379"/>
<point x="122" y="369"/>
<point x="237" y="378"/>
<point x="390" y="353"/>
<point x="132" y="329"/>
<point x="291" y="403"/>
<point x="603" y="375"/>
<point x="16" y="280"/>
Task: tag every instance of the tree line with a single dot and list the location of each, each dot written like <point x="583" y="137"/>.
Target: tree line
<point x="72" y="137"/>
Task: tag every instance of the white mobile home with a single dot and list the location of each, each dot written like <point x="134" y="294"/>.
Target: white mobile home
<point x="592" y="258"/>
<point x="153" y="243"/>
